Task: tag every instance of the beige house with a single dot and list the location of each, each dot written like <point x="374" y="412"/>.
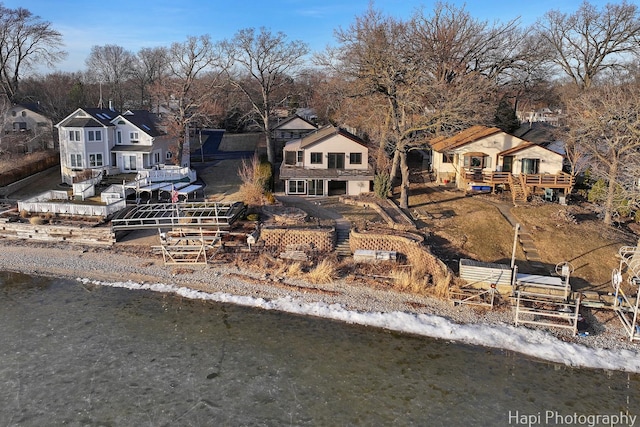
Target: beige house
<point x="481" y="157"/>
<point x="329" y="161"/>
<point x="26" y="128"/>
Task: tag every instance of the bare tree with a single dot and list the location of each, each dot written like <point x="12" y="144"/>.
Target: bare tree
<point x="265" y="63"/>
<point x="111" y="65"/>
<point x="25" y="41"/>
<point x="590" y="41"/>
<point x="605" y="123"/>
<point x="149" y="66"/>
<point x="434" y="73"/>
<point x="195" y="68"/>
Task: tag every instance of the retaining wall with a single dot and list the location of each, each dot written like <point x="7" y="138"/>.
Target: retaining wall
<point x="409" y="244"/>
<point x="101" y="236"/>
<point x="278" y="238"/>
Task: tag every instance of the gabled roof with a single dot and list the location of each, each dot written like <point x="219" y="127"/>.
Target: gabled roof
<point x="143" y="120"/>
<point x="292" y="118"/>
<point x="31" y="106"/>
<point x="98" y="117"/>
<point x="325" y="133"/>
<point x="465" y="137"/>
<point x="523" y="146"/>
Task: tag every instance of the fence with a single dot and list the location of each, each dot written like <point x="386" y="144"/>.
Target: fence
<point x="55" y="202"/>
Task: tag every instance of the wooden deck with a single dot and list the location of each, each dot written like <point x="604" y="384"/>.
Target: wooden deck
<point x="562" y="180"/>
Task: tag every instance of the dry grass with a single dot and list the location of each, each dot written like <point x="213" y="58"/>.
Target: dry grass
<point x="412" y="281"/>
<point x="325" y="272"/>
<point x="589" y="245"/>
<point x="473" y="227"/>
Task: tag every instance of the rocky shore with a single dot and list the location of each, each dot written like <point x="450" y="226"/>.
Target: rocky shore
<point x="138" y="266"/>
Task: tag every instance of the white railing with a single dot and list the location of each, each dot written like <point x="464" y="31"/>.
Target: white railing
<point x="167" y="174"/>
<point x="67" y="208"/>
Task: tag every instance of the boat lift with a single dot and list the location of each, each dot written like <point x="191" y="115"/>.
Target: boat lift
<point x="626" y="280"/>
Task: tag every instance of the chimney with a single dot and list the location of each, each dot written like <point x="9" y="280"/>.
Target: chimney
<point x="111" y="105"/>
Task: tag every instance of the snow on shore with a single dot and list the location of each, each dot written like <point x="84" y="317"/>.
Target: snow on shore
<point x="530" y="342"/>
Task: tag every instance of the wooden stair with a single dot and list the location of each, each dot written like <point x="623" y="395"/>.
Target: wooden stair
<point x="518" y="190"/>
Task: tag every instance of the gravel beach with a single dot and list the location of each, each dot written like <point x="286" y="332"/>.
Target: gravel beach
<point x="128" y="263"/>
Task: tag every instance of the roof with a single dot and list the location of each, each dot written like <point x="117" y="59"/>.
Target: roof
<point x="32" y="106"/>
<point x="293" y="118"/>
<point x="325" y="133"/>
<point x="98" y="117"/>
<point x="523" y="146"/>
<point x="143" y="120"/>
<point x="133" y="148"/>
<point x="465" y="137"/>
<point x="538" y="132"/>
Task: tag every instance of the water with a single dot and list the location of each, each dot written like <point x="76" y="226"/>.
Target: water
<point x="74" y="354"/>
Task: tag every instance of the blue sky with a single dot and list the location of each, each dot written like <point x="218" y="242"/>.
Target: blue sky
<point x="134" y="24"/>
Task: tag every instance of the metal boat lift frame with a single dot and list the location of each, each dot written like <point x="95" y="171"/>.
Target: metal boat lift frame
<point x="625" y="305"/>
<point x="183" y="215"/>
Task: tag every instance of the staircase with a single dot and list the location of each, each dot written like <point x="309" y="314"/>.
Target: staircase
<point x="518" y="190"/>
<point x="343" y="229"/>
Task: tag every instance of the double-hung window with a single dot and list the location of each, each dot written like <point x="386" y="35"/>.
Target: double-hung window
<point x="134" y="137"/>
<point x="74" y="135"/>
<point x="76" y="160"/>
<point x="94" y="135"/>
<point x="95" y="160"/>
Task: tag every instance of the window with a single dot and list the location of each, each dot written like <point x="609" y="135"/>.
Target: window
<point x="507" y="163"/>
<point x="289" y="157"/>
<point x="76" y="160"/>
<point x="24" y="114"/>
<point x="477" y="161"/>
<point x="14" y="113"/>
<point x="156" y="157"/>
<point x="129" y="162"/>
<point x="119" y="137"/>
<point x="95" y="160"/>
<point x="134" y="137"/>
<point x="293" y="157"/>
<point x="316" y="158"/>
<point x="335" y="161"/>
<point x="530" y="166"/>
<point x="94" y="135"/>
<point x="169" y="155"/>
<point x="355" y="158"/>
<point x="316" y="187"/>
<point x="447" y="157"/>
<point x="296" y="186"/>
<point x="74" y="135"/>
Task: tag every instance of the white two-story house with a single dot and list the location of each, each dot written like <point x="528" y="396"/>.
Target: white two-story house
<point x="112" y="142"/>
<point x="328" y="161"/>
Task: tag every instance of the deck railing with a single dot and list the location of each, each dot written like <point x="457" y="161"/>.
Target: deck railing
<point x="561" y="180"/>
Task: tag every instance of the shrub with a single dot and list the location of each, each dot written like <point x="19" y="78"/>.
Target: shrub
<point x="36" y="220"/>
<point x="382" y="185"/>
<point x="24" y="213"/>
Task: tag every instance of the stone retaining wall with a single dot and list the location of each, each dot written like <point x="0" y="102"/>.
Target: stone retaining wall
<point x="278" y="238"/>
<point x="410" y="245"/>
<point x="101" y="236"/>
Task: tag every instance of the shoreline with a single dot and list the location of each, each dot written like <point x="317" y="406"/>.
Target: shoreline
<point x="608" y="349"/>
